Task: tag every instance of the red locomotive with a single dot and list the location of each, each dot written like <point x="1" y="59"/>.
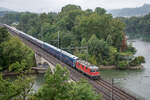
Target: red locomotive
<point x="88" y="69"/>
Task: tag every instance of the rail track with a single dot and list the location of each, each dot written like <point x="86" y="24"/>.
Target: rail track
<point x="116" y="93"/>
<point x="101" y="86"/>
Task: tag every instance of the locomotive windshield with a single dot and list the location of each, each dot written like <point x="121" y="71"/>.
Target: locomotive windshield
<point x="94" y="69"/>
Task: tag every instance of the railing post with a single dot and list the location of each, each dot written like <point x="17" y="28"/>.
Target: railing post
<point x="112" y="89"/>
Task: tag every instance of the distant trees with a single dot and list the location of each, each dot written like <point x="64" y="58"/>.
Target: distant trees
<point x="137" y="27"/>
<point x="129" y="12"/>
<point x="14" y="55"/>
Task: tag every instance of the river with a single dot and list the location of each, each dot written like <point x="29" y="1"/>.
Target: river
<point x="137" y="82"/>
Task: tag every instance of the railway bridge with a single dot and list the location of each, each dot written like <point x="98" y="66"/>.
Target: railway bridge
<point x="42" y="64"/>
<point x="108" y="91"/>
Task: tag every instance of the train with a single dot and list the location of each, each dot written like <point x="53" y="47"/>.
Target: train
<point x="85" y="67"/>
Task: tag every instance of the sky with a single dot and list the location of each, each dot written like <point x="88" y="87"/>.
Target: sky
<point x="56" y="5"/>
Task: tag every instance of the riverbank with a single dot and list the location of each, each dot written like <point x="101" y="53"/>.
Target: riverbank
<point x="102" y="67"/>
<point x="34" y="70"/>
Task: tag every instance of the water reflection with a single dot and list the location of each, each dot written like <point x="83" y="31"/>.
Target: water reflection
<point x="39" y="80"/>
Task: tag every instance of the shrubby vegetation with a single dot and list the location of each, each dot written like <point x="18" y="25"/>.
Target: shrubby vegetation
<point x="14" y="55"/>
<point x="56" y="87"/>
<point x="122" y="64"/>
<point x="137" y="61"/>
<point x="79" y="30"/>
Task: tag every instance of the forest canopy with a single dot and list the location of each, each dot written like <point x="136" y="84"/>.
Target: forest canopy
<point x="92" y="35"/>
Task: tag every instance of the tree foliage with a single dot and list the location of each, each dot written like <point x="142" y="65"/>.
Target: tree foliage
<point x="100" y="11"/>
<point x="14" y="55"/>
<point x="138" y="27"/>
<point x="4" y="35"/>
<point x="137" y="61"/>
<point x="19" y="89"/>
<point x="58" y="87"/>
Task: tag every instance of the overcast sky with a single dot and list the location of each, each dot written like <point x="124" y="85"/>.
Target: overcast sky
<point x="56" y="5"/>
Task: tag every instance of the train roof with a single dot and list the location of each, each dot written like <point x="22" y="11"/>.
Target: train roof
<point x="87" y="64"/>
<point x="64" y="52"/>
<point x="30" y="36"/>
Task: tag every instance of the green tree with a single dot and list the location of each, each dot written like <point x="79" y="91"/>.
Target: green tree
<point x="58" y="87"/>
<point x="86" y="26"/>
<point x="100" y="11"/>
<point x="109" y="40"/>
<point x="4" y="35"/>
<point x="70" y="7"/>
<point x="81" y="90"/>
<point x="83" y="42"/>
<point x="93" y="45"/>
<point x="67" y="20"/>
<point x="16" y="56"/>
<point x="20" y="89"/>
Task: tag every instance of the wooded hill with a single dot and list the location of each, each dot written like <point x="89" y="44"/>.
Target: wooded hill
<point x="128" y="12"/>
<point x="138" y="27"/>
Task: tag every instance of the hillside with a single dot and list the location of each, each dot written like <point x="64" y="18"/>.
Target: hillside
<point x="128" y="12"/>
<point x="138" y="27"/>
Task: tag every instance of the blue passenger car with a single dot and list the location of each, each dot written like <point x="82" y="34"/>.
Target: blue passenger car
<point x="60" y="54"/>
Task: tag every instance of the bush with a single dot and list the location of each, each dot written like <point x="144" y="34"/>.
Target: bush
<point x="122" y="64"/>
<point x="105" y="62"/>
<point x="92" y="60"/>
<point x="137" y="61"/>
<point x="1" y="68"/>
<point x="16" y="56"/>
<point x="82" y="55"/>
<point x="130" y="48"/>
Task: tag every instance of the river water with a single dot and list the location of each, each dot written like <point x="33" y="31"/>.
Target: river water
<point x="137" y="82"/>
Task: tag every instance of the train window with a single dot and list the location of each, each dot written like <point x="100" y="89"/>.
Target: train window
<point x="92" y="70"/>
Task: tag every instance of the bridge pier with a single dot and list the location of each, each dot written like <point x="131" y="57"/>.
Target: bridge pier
<point x="42" y="64"/>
